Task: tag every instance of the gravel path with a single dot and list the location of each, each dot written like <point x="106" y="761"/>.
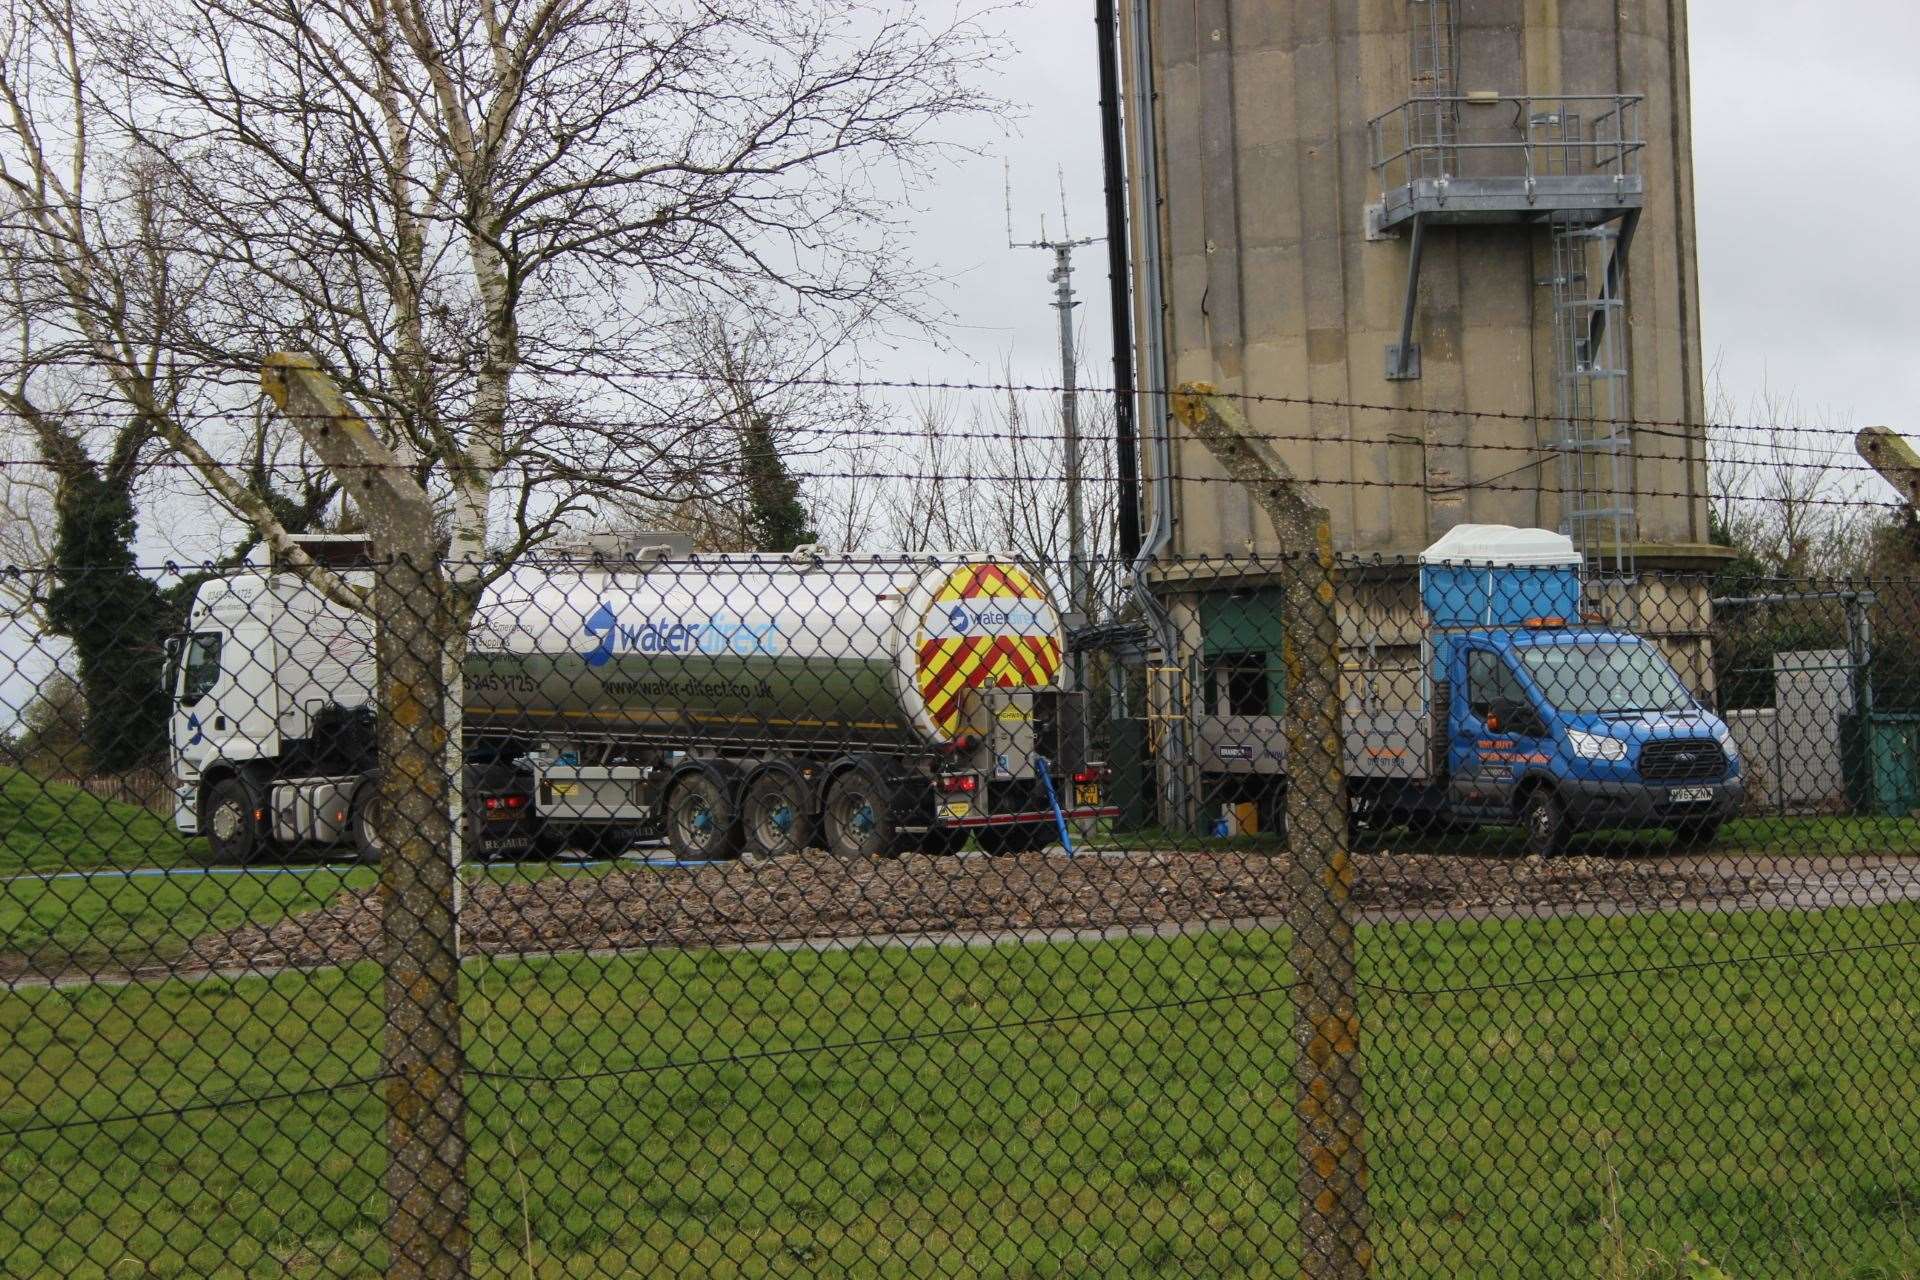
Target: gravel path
<point x="917" y="901"/>
<point x="799" y="901"/>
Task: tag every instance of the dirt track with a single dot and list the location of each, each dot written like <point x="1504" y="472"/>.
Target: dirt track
<point x="800" y="901"/>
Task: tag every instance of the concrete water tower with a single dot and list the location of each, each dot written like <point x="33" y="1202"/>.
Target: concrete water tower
<point x="1444" y="206"/>
<point x="1476" y="214"/>
<point x="1441" y="206"/>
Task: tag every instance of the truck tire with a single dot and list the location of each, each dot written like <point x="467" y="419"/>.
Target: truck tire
<point x="858" y="816"/>
<point x="366" y="840"/>
<point x="227" y="818"/>
<point x="701" y="823"/>
<point x="366" y="844"/>
<point x="608" y="842"/>
<point x="776" y="812"/>
<point x="1696" y="833"/>
<point x="1544" y="819"/>
<point x="1026" y="837"/>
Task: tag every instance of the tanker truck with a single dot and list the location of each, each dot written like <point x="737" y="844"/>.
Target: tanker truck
<point x="869" y="705"/>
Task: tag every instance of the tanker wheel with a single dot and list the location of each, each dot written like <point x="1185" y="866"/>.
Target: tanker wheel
<point x="777" y="813"/>
<point x="701" y="825"/>
<point x="859" y="815"/>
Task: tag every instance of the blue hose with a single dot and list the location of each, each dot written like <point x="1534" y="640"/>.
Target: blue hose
<point x="1044" y="772"/>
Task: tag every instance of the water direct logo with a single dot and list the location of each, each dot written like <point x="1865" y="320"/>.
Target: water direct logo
<point x="711" y="637"/>
<point x="601" y="622"/>
<point x="991" y="616"/>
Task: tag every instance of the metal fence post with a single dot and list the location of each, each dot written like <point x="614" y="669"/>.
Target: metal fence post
<point x="1328" y="1103"/>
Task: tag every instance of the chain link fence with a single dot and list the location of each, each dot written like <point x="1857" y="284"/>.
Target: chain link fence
<point x="858" y="916"/>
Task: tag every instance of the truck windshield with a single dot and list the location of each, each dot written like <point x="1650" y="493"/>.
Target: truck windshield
<point x="1606" y="677"/>
<point x="202" y="667"/>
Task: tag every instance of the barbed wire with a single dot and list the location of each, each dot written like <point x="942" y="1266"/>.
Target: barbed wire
<point x="579" y="473"/>
<point x="1691" y="430"/>
<point x="1834" y="461"/>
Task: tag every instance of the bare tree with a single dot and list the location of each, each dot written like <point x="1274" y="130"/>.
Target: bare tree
<point x="756" y="387"/>
<point x="474" y="214"/>
<point x="1781" y="484"/>
<point x="992" y="477"/>
<point x="26" y="542"/>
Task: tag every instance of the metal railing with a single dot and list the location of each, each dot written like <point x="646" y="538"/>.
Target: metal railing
<point x="1521" y="139"/>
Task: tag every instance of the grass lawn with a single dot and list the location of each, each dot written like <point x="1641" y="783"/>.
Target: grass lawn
<point x="64" y="902"/>
<point x="50" y="826"/>
<point x="1791" y="835"/>
<point x="1546" y="1098"/>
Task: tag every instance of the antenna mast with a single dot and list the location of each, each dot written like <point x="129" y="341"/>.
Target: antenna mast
<point x="1079" y="591"/>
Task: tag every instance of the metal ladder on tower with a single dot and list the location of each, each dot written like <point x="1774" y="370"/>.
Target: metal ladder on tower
<point x="1593" y="397"/>
<point x="1433" y="62"/>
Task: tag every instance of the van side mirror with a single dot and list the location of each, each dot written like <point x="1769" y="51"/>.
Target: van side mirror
<point x="1514" y="717"/>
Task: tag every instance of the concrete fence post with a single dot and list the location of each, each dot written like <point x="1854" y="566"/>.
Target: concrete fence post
<point x="427" y="1231"/>
<point x="1328" y="1102"/>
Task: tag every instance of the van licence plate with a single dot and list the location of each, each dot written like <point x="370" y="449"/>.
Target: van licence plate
<point x="1691" y="795"/>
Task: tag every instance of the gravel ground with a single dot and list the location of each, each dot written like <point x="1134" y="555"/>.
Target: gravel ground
<point x="809" y="900"/>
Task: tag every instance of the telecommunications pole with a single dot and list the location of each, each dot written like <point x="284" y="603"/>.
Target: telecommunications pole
<point x="1078" y="591"/>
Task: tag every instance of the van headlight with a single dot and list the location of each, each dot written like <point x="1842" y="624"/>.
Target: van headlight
<point x="1594" y="746"/>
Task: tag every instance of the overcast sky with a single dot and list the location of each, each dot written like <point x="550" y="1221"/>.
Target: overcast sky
<point x="1810" y="274"/>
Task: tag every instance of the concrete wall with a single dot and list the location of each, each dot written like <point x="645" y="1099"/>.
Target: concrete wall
<point x="1274" y="288"/>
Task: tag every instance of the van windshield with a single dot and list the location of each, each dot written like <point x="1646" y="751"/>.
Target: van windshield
<point x="1606" y="677"/>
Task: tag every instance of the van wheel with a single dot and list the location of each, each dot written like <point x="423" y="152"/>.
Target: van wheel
<point x="1545" y="822"/>
<point x="701" y="824"/>
<point x="227" y="816"/>
<point x="777" y="813"/>
<point x="859" y="815"/>
<point x="366" y="841"/>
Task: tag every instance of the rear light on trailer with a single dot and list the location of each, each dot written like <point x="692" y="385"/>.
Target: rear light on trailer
<point x="957" y="784"/>
<point x="1094" y="773"/>
<point x="504" y="804"/>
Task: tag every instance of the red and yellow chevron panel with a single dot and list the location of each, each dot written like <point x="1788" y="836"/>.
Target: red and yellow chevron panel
<point x="975" y="581"/>
<point x="1008" y="607"/>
